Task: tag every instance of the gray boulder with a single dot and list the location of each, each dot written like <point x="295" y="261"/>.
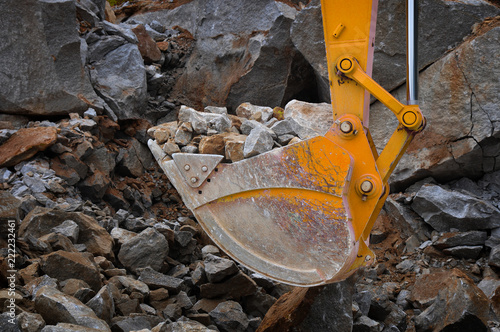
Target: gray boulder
<point x="470" y="238"/>
<point x="444" y="209"/>
<point x="148" y="248"/>
<point x="331" y="307"/>
<point x="258" y="141"/>
<point x="102" y="304"/>
<point x="218" y="268"/>
<point x="42" y="67"/>
<point x="229" y="317"/>
<point x="57" y="307"/>
<point x="120" y="79"/>
<point x="251" y="45"/>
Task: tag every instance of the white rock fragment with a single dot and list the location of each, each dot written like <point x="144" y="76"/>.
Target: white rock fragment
<point x="258" y="141"/>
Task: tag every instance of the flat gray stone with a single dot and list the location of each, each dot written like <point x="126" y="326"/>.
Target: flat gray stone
<point x="147" y="249"/>
<point x="57" y="307"/>
<point x="156" y="280"/>
<point x="218" y="268"/>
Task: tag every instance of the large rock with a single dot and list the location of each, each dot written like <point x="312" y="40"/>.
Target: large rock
<point x="25" y="143"/>
<point x="229" y="317"/>
<point x="102" y="304"/>
<point x="57" y="307"/>
<point x="459" y="306"/>
<point x="42" y="66"/>
<point x="148" y="248"/>
<point x="251" y="45"/>
<point x="76" y="265"/>
<point x="41" y="221"/>
<point x="308" y="37"/>
<point x="458" y="96"/>
<point x="120" y="79"/>
<point x="445" y="209"/>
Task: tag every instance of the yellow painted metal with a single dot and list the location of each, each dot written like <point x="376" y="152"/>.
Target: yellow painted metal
<point x="349" y="37"/>
<point x="408" y="115"/>
<point x="349" y="29"/>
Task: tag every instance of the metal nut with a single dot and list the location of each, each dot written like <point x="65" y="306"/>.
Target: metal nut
<point x="346" y="127"/>
<point x="366" y="186"/>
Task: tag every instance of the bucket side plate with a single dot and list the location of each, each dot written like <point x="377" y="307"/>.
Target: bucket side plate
<point x="281" y="213"/>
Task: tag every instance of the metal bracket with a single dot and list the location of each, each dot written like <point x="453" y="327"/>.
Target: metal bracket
<point x="195" y="168"/>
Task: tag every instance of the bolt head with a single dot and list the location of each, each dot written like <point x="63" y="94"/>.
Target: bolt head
<point x="346" y="127"/>
<point x="187" y="167"/>
<point x="366" y="186"/>
<point x="204" y="168"/>
<point x="409" y="118"/>
<point x="346" y="64"/>
<point x="193" y="179"/>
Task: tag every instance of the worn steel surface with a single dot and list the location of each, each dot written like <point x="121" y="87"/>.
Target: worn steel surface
<point x="282" y="213"/>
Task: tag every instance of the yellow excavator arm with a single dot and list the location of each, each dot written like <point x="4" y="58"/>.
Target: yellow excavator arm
<point x="302" y="214"/>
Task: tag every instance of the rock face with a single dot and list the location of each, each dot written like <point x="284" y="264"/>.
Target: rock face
<point x="255" y="44"/>
<point x="435" y="36"/>
<point x="120" y="79"/>
<point x="462" y="140"/>
<point x="444" y="209"/>
<point x="46" y="58"/>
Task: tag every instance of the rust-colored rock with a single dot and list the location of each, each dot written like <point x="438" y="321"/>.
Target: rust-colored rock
<point x="427" y="287"/>
<point x="163" y="46"/>
<point x="459" y="305"/>
<point x="25" y="143"/>
<point x="109" y="14"/>
<point x="107" y="128"/>
<point x="147" y="46"/>
<point x="212" y="144"/>
<point x="234" y="144"/>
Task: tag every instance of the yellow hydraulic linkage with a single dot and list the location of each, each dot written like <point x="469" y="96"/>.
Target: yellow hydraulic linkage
<point x="302" y="214"/>
<point x="349" y="29"/>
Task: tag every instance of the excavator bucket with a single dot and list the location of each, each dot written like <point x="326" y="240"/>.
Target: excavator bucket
<point x="300" y="214"/>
